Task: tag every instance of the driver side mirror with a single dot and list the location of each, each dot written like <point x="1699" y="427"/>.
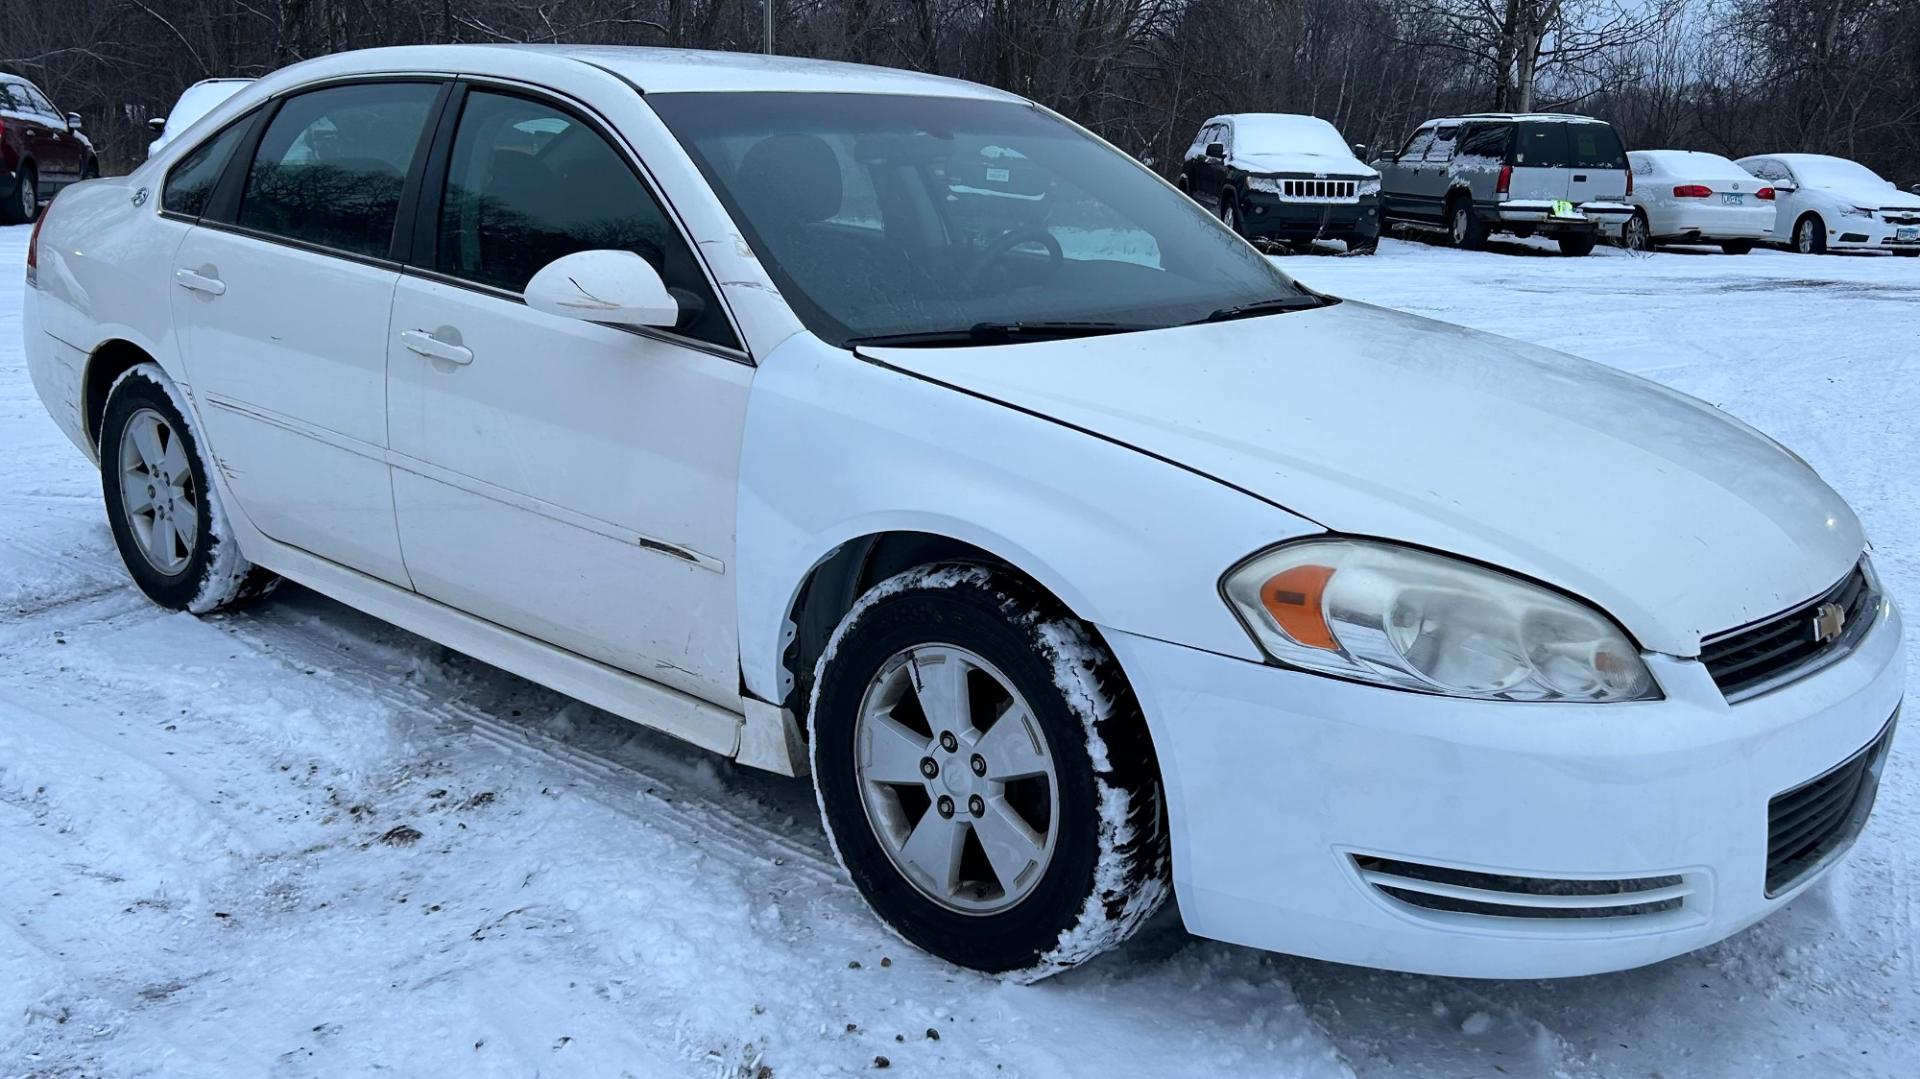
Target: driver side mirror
<point x="615" y="287"/>
<point x="1360" y="150"/>
<point x="73" y="121"/>
<point x="1216" y="149"/>
<point x="157" y="125"/>
<point x="1785" y="187"/>
<point x="1915" y="188"/>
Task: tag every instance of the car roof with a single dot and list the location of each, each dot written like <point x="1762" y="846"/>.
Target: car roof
<point x="1516" y="116"/>
<point x="1231" y="117"/>
<point x="650" y="70"/>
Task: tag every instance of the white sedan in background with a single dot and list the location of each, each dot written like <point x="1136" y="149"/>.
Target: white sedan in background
<point x="1833" y="204"/>
<point x="195" y="101"/>
<point x="1075" y="580"/>
<point x="1694" y="197"/>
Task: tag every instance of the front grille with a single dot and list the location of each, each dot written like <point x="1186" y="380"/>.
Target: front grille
<point x="1461" y="891"/>
<point x="1900" y="217"/>
<point x="1814" y="821"/>
<point x="1323" y="190"/>
<point x="1753" y="659"/>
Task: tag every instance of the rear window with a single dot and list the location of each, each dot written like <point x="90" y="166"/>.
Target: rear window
<point x="1561" y="145"/>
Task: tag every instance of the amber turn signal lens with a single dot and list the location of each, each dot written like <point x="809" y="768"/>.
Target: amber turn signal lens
<point x="1293" y="599"/>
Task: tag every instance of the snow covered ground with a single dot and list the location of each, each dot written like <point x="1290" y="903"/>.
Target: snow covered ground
<point x="292" y="841"/>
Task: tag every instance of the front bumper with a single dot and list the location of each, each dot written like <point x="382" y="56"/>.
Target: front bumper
<point x="1873" y="234"/>
<point x="1286" y="789"/>
<point x="1267" y="216"/>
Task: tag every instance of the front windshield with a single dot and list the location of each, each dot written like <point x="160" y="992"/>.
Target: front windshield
<point x="1820" y="171"/>
<point x="1279" y="134"/>
<point x="886" y="215"/>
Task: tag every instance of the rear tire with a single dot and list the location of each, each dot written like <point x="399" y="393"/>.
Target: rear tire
<point x="907" y="764"/>
<point x="1736" y="247"/>
<point x="1810" y="235"/>
<point x="1465" y="230"/>
<point x="165" y="515"/>
<point x="1637" y="234"/>
<point x="1577" y="244"/>
<point x="24" y="206"/>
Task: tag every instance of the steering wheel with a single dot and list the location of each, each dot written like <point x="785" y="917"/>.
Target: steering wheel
<point x="1006" y="242"/>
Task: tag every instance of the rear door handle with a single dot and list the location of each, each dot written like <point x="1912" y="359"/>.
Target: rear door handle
<point x="433" y="348"/>
<point x="200" y="282"/>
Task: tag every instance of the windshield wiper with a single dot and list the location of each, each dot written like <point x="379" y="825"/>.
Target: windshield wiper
<point x="1275" y="306"/>
<point x="998" y="333"/>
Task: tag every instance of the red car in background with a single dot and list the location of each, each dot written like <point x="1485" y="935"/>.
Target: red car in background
<point x="41" y="150"/>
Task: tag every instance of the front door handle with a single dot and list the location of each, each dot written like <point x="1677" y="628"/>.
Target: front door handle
<point x="433" y="348"/>
<point x="1578" y="179"/>
<point x="199" y="282"/>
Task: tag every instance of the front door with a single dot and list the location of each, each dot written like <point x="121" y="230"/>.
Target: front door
<point x="284" y="310"/>
<point x="572" y="481"/>
<point x="1401" y="180"/>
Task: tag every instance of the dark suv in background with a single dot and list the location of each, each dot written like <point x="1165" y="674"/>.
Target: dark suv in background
<point x="41" y="150"/>
<point x="1283" y="178"/>
<point x="1554" y="174"/>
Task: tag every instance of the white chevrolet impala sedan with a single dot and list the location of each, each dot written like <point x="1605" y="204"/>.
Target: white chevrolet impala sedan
<point x="897" y="431"/>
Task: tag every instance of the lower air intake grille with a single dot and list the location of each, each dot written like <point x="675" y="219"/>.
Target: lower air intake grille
<point x="1461" y="891"/>
<point x="1748" y="661"/>
<point x="1812" y="822"/>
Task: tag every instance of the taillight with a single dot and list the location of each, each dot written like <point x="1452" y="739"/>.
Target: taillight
<point x="1629" y="182"/>
<point x="1765" y="194"/>
<point x="33" y="247"/>
<point x="1692" y="191"/>
<point x="1506" y="180"/>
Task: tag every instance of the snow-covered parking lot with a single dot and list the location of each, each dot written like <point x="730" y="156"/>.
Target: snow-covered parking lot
<point x="293" y="841"/>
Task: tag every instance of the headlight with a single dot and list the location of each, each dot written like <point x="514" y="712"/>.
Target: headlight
<point x="1402" y="617"/>
<point x="1263" y="183"/>
<point x="1855" y="211"/>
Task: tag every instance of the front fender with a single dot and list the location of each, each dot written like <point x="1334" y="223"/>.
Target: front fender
<point x="837" y="447"/>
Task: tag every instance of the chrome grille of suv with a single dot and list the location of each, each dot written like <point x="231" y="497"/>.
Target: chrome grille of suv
<point x="1329" y="190"/>
<point x="1812" y="822"/>
<point x="1753" y="659"/>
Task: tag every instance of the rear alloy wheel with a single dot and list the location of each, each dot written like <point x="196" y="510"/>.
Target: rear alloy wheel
<point x="1810" y="235"/>
<point x="165" y="515"/>
<point x="1577" y="244"/>
<point x="1736" y="247"/>
<point x="1464" y="229"/>
<point x="985" y="774"/>
<point x="1637" y="235"/>
<point x="25" y="203"/>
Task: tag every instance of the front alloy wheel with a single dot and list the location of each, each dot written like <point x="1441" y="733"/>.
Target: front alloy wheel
<point x="1808" y="237"/>
<point x="985" y="774"/>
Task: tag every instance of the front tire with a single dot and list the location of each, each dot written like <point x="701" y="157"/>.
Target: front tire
<point x="985" y="774"/>
<point x="165" y="515"/>
<point x="1230" y="212"/>
<point x="1810" y="235"/>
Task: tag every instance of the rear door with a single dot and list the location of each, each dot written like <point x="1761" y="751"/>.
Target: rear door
<point x="283" y="295"/>
<point x="1596" y="166"/>
<point x="62" y="153"/>
<point x="1540" y="155"/>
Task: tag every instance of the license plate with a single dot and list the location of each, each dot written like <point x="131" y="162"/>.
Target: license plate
<point x="1734" y="200"/>
<point x="1908" y="235"/>
<point x="1562" y="208"/>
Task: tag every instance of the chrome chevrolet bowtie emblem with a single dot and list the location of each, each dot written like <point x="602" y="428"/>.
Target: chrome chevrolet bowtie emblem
<point x="1828" y="621"/>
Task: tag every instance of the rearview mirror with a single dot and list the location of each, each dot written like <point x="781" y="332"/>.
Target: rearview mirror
<point x="1216" y="149"/>
<point x="73" y="121"/>
<point x="615" y="287"/>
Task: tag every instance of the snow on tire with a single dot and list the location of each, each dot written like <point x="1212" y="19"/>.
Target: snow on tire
<point x="985" y="774"/>
<point x="164" y="510"/>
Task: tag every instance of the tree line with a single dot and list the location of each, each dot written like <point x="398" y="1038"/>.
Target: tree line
<point x="1731" y="76"/>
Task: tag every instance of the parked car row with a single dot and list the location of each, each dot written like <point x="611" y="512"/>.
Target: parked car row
<point x="1285" y="178"/>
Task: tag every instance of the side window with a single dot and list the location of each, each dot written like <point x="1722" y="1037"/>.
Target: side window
<point x="528" y="182"/>
<point x="331" y="165"/>
<point x="190" y="183"/>
<point x="1416" y="147"/>
<point x="1441" y="148"/>
<point x="1225" y="138"/>
<point x="1486" y="140"/>
<point x="38" y="101"/>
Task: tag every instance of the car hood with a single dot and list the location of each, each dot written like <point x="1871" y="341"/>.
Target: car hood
<point x="1672" y="516"/>
<point x="1299" y="161"/>
<point x="1871" y="196"/>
